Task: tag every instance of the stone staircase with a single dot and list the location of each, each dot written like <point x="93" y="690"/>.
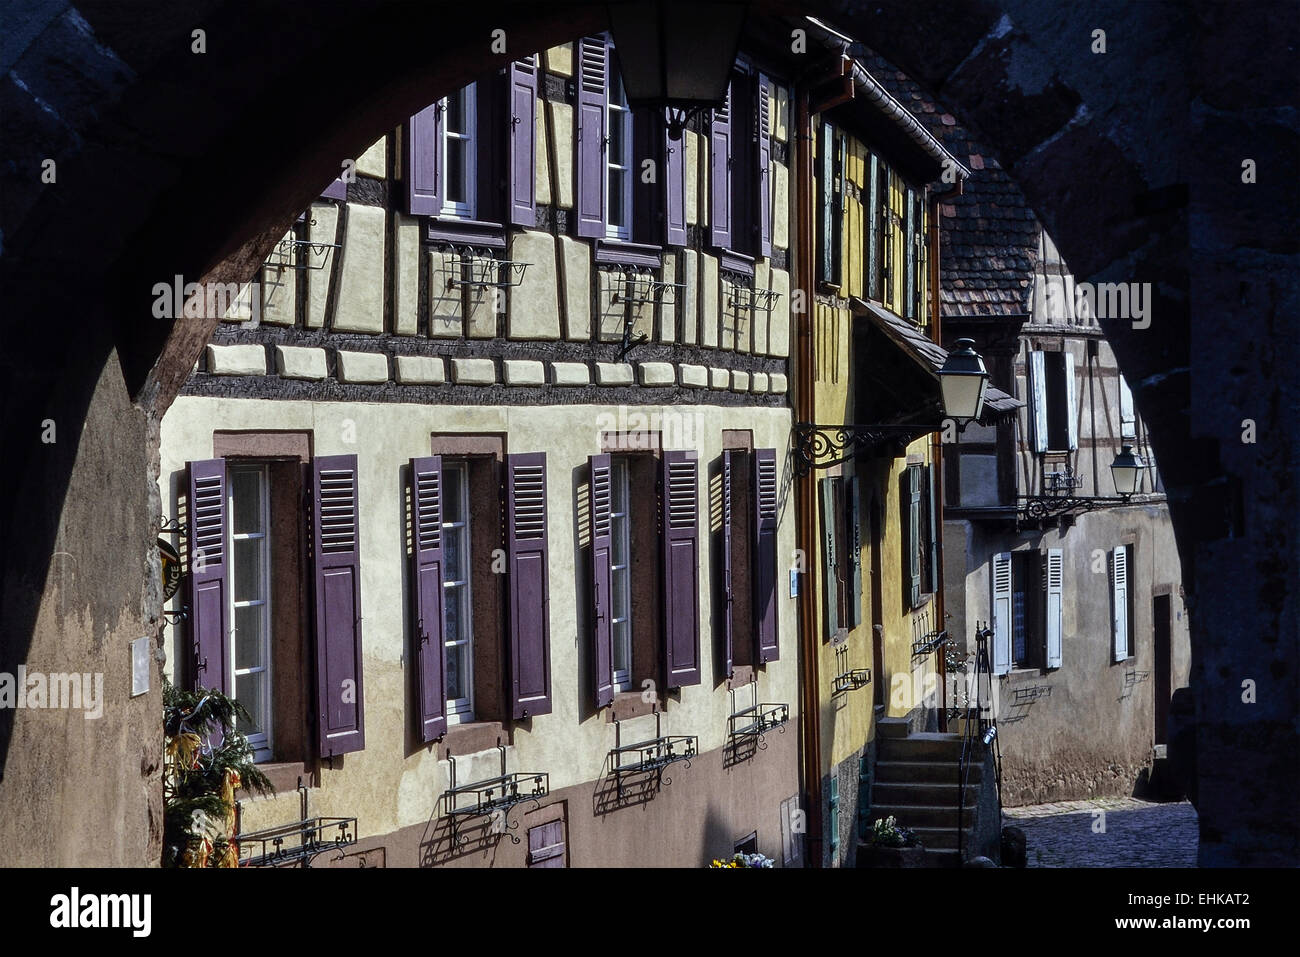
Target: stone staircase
<point x="916" y="781"/>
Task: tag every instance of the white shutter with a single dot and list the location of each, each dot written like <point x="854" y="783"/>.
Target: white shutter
<point x="1055" y="584"/>
<point x="1038" y="401"/>
<point x="1071" y="416"/>
<point x="1127" y="420"/>
<point x="1119" y="595"/>
<point x="1001" y="613"/>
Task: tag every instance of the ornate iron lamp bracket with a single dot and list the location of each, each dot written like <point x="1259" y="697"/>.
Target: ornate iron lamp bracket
<point x="821" y="446"/>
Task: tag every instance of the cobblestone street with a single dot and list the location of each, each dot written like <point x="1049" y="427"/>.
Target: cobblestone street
<point x="1108" y="832"/>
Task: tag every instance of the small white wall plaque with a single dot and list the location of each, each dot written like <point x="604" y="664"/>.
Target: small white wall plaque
<point x="141" y="658"/>
<point x="794" y="583"/>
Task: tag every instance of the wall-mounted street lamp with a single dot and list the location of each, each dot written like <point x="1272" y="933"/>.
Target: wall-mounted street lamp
<point x="1058" y="497"/>
<point x="676" y="55"/>
<point x="964" y="381"/>
<point x="1127" y="470"/>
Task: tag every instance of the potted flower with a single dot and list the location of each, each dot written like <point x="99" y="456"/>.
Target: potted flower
<point x="743" y="860"/>
<point x="889" y="844"/>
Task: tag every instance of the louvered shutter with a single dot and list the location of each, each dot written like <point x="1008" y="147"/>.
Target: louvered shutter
<point x="592" y="181"/>
<point x="764" y="178"/>
<point x="1038" y="400"/>
<point x="830" y="564"/>
<point x="523" y="107"/>
<point x="764" y="560"/>
<point x="674" y="190"/>
<point x="872" y="215"/>
<point x="933" y="539"/>
<point x="914" y="534"/>
<point x="1119" y="598"/>
<point x="826" y="205"/>
<point x="1127" y="420"/>
<point x="529" y="584"/>
<point x="1001" y="571"/>
<point x="720" y="147"/>
<point x="681" y="558"/>
<point x="602" y="544"/>
<point x="208" y="596"/>
<point x="853" y="541"/>
<point x="426" y="580"/>
<point x="727" y="618"/>
<point x="337" y="557"/>
<point x="1071" y="416"/>
<point x="909" y="254"/>
<point x="424" y="162"/>
<point x="1054" y="566"/>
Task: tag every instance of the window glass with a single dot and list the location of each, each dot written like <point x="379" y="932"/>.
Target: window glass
<point x="250" y="600"/>
<point x="458" y="167"/>
<point x="457" y="627"/>
<point x="620" y="577"/>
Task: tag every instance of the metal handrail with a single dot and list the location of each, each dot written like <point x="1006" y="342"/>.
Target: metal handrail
<point x="975" y="731"/>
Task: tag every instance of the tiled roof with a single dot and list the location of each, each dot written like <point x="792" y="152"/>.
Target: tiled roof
<point x="988" y="236"/>
<point x="927" y="353"/>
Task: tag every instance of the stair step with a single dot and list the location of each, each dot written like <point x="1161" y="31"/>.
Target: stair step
<point x="920" y="815"/>
<point x="921" y="747"/>
<point x="916" y="772"/>
<point x="942" y="857"/>
<point x="893" y="727"/>
<point x="925" y="793"/>
<point x="937" y="838"/>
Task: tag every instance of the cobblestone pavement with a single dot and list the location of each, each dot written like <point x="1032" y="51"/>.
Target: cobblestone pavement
<point x="1107" y="832"/>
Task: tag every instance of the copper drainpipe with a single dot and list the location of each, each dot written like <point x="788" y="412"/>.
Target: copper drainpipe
<point x="805" y="487"/>
<point x="936" y="441"/>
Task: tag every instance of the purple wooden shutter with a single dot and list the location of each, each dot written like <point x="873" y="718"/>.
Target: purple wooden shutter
<point x="337" y="552"/>
<point x="720" y="180"/>
<point x="592" y="181"/>
<point x="424" y="162"/>
<point x="602" y="663"/>
<point x="681" y="557"/>
<point x="764" y="171"/>
<point x="209" y="567"/>
<point x="523" y="104"/>
<point x="767" y="647"/>
<point x="426" y="581"/>
<point x="675" y="190"/>
<point x="529" y="582"/>
<point x="728" y="587"/>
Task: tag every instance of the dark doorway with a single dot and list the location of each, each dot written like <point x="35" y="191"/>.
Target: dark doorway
<point x="877" y="612"/>
<point x="1163" y="666"/>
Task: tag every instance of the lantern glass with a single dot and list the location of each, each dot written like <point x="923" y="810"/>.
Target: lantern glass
<point x="964" y="382"/>
<point x="1127" y="470"/>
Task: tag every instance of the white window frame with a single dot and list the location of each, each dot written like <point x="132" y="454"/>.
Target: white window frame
<point x="259" y="711"/>
<point x="469" y="208"/>
<point x="459" y="710"/>
<point x="618" y="111"/>
<point x="620" y="575"/>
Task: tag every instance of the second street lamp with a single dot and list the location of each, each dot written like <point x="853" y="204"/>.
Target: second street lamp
<point x="1126" y="469"/>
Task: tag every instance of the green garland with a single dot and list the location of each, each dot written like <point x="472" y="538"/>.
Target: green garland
<point x="199" y="780"/>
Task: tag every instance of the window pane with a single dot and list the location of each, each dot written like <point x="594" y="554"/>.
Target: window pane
<point x="249" y="691"/>
<point x="454" y="555"/>
<point x="618" y="635"/>
<point x="452" y="494"/>
<point x="246" y="490"/>
<point x="456" y="171"/>
<point x="249" y="629"/>
<point x="616" y="215"/>
<point x="248" y="569"/>
<point x="455" y="658"/>
<point x="455" y="116"/>
<point x="618" y="585"/>
<point x="617" y="136"/>
<point x="452" y="615"/>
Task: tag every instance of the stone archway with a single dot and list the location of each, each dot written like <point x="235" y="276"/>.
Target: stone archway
<point x="172" y="162"/>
